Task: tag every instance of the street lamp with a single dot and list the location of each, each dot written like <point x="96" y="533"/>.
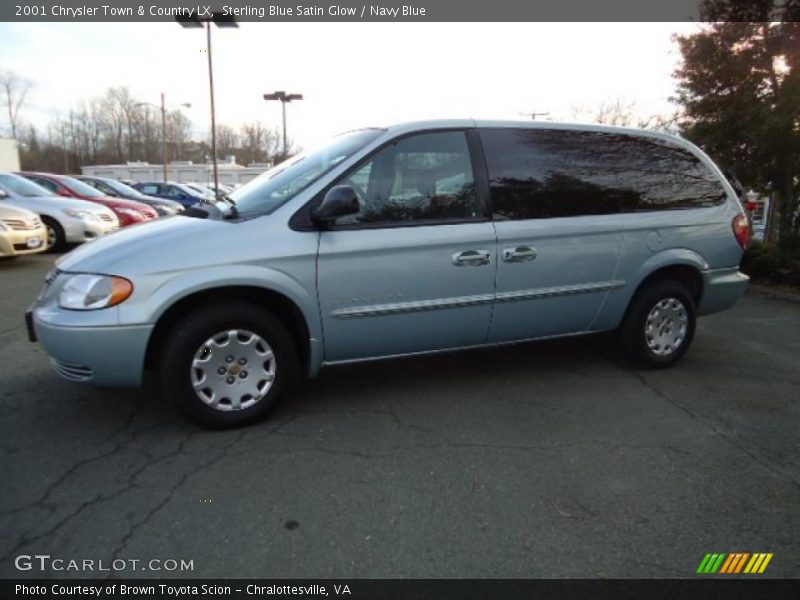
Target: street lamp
<point x="163" y="126"/>
<point x="220" y="20"/>
<point x="284" y="98"/>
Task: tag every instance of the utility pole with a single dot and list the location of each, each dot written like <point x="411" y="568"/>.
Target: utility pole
<point x="534" y="114"/>
<point x="164" y="133"/>
<point x="284" y="98"/>
<point x="163" y="128"/>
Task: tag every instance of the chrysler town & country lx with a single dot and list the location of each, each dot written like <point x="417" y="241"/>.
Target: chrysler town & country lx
<point x="416" y="238"/>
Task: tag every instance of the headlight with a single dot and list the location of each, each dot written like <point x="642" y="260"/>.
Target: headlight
<point x="90" y="292"/>
<point x="131" y="213"/>
<point x="80" y="214"/>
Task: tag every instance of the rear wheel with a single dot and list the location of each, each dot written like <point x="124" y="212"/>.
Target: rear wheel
<point x="226" y="366"/>
<point x="56" y="240"/>
<point x="659" y="325"/>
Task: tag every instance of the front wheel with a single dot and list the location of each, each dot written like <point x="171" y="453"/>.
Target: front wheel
<point x="56" y="240"/>
<point x="659" y="325"/>
<point x="226" y="366"/>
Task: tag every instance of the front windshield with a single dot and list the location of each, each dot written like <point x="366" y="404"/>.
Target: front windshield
<point x="84" y="189"/>
<point x="188" y="189"/>
<point x="120" y="187"/>
<point x="271" y="189"/>
<point x="22" y="187"/>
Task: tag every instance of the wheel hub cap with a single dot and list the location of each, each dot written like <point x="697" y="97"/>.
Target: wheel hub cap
<point x="233" y="370"/>
<point x="665" y="328"/>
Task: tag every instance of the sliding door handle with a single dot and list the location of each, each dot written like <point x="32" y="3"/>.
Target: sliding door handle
<point x="519" y="254"/>
<point x="471" y="258"/>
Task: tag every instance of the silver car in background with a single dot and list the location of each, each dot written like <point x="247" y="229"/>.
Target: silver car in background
<point x="416" y="238"/>
<point x="68" y="220"/>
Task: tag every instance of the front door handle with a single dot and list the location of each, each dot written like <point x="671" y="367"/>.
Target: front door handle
<point x="519" y="254"/>
<point x="471" y="258"/>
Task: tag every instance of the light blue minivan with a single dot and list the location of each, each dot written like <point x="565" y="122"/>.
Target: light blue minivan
<point x="404" y="240"/>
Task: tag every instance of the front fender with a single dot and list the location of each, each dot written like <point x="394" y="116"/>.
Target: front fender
<point x="159" y="292"/>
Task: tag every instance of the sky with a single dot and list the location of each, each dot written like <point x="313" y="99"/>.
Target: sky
<point x="351" y="74"/>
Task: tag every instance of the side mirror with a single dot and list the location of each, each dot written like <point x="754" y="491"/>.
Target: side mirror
<point x="340" y="201"/>
<point x="3" y="194"/>
<point x="62" y="192"/>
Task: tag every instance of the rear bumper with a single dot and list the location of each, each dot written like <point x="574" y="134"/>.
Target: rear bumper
<point x="722" y="289"/>
<point x="107" y="356"/>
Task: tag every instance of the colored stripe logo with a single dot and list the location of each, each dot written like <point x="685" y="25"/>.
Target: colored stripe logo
<point x="734" y="563"/>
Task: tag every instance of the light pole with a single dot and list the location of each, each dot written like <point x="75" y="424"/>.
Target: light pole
<point x="220" y="20"/>
<point x="284" y="98"/>
<point x="163" y="126"/>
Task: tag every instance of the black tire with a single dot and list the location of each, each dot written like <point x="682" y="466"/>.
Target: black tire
<point x="60" y="239"/>
<point x="187" y="339"/>
<point x="633" y="334"/>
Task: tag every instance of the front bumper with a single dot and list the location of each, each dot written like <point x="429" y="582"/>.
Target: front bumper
<point x="78" y="231"/>
<point x="107" y="356"/>
<point x="13" y="243"/>
<point x="722" y="289"/>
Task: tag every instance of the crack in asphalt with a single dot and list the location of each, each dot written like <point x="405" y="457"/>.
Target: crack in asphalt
<point x="390" y="412"/>
<point x="125" y="540"/>
<point x="716" y="430"/>
<point x="42" y="500"/>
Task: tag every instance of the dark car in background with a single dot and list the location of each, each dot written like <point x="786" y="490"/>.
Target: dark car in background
<point x="171" y="191"/>
<point x="117" y="189"/>
<point x="128" y="212"/>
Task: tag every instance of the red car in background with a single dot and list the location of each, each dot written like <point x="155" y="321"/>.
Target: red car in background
<point x="128" y="212"/>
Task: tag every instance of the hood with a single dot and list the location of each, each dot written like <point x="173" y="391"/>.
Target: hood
<point x="15" y="212"/>
<point x="163" y="201"/>
<point x="142" y="246"/>
<point x="123" y="203"/>
<point x="55" y="204"/>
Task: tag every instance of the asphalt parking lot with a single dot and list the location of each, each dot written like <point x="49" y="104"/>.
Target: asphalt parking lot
<point x="544" y="460"/>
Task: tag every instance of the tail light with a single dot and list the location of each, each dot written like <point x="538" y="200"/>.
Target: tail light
<point x="741" y="230"/>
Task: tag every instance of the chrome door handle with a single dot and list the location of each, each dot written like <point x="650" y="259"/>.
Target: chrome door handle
<point x="519" y="254"/>
<point x="471" y="258"/>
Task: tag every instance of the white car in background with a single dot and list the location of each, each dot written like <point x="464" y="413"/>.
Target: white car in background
<point x="68" y="220"/>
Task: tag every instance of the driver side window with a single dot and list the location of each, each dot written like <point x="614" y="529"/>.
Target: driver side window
<point x="418" y="178"/>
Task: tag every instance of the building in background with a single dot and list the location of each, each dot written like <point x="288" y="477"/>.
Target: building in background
<point x="230" y="172"/>
<point x="9" y="155"/>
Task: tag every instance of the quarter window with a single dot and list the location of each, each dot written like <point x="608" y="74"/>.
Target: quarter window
<point x="546" y="173"/>
<point x="419" y="178"/>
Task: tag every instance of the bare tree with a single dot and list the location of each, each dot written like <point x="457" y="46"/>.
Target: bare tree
<point x="259" y="144"/>
<point x="14" y="90"/>
<point x="624" y="113"/>
<point x="179" y="132"/>
<point x="227" y="140"/>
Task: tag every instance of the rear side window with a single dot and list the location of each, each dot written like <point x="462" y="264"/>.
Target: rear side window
<point x="547" y="173"/>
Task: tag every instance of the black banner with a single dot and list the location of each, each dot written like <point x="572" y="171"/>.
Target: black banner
<point x="351" y="10"/>
<point x="363" y="589"/>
